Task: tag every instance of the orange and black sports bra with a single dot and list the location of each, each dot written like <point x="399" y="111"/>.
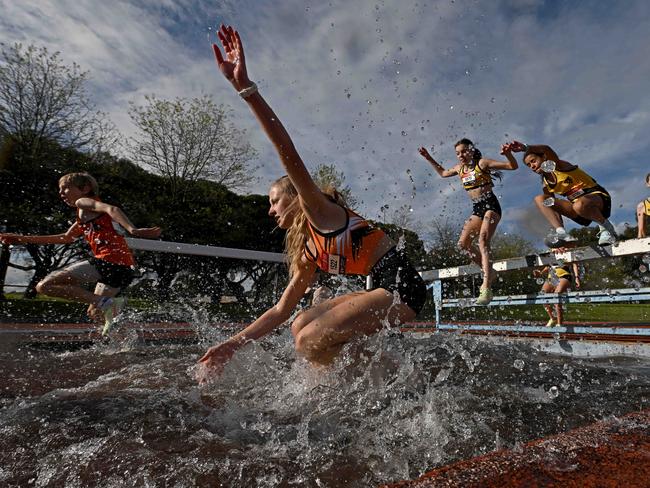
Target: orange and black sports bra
<point x="475" y="177"/>
<point x="105" y="243"/>
<point x="348" y="250"/>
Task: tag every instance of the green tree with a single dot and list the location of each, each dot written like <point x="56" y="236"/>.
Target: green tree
<point x="43" y="101"/>
<point x="189" y="140"/>
<point x="327" y="176"/>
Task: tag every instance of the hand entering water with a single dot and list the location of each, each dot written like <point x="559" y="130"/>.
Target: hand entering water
<point x="214" y="360"/>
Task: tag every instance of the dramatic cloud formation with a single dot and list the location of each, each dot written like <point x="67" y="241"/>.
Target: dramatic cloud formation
<point x="363" y="84"/>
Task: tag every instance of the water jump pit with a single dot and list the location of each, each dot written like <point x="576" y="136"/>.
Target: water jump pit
<point x="495" y="412"/>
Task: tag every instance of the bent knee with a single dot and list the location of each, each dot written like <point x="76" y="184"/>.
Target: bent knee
<point x="464" y="244"/>
<point x="298" y="324"/>
<point x="304" y="344"/>
<point x="41" y="286"/>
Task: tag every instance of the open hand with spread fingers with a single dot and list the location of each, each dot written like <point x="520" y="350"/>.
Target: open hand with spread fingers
<point x="233" y="65"/>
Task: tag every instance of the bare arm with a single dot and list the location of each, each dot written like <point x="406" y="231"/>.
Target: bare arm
<point x="510" y="164"/>
<point x="445" y="173"/>
<point x="118" y="216"/>
<point x="576" y="274"/>
<point x="548" y="153"/>
<point x="217" y="356"/>
<point x="66" y="238"/>
<point x="319" y="209"/>
<point x="540" y="272"/>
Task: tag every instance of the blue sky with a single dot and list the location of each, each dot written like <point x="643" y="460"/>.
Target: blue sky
<point x="362" y="84"/>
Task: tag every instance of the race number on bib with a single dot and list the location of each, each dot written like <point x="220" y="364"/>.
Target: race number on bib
<point x="468" y="179"/>
<point x="575" y="193"/>
<point x="332" y="263"/>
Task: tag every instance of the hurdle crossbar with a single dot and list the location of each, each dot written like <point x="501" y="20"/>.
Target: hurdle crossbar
<point x="625" y="248"/>
<point x="203" y="250"/>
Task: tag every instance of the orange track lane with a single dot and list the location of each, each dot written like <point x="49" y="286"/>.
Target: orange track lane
<point x="611" y="453"/>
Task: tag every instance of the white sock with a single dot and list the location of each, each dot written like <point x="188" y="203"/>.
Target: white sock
<point x="607" y="225"/>
<point x="560" y="230"/>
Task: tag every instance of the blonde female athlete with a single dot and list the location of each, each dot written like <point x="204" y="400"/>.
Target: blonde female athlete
<point x="476" y="174"/>
<point x="321" y="234"/>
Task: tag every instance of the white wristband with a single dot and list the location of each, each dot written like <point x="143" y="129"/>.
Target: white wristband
<point x="247" y="92"/>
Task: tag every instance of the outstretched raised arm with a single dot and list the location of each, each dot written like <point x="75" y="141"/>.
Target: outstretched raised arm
<point x="546" y="151"/>
<point x="233" y="67"/>
<point x="445" y="173"/>
<point x="511" y="164"/>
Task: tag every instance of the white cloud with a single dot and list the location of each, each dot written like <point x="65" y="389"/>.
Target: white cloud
<point x="363" y="84"/>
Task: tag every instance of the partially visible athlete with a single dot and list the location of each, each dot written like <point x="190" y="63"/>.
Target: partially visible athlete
<point x="321" y="234"/>
<point x="110" y="268"/>
<point x="559" y="278"/>
<point x="476" y="173"/>
<point x="643" y="212"/>
<point x="586" y="201"/>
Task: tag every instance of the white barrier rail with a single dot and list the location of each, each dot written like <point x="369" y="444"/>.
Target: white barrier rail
<point x="625" y="248"/>
<point x="203" y="250"/>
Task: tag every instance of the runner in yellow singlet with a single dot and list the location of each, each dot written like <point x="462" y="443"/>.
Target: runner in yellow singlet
<point x="476" y="174"/>
<point x="585" y="200"/>
<point x="643" y="212"/>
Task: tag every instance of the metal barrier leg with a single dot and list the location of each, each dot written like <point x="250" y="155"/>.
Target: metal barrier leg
<point x="437" y="298"/>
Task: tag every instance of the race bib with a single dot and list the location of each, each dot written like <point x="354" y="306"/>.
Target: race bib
<point x="468" y="179"/>
<point x="332" y="263"/>
<point x="574" y="193"/>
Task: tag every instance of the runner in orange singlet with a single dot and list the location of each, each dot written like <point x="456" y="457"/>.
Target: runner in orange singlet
<point x="110" y="268"/>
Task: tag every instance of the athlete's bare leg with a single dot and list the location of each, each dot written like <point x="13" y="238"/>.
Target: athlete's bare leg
<point x="64" y="285"/>
<point x="554" y="214"/>
<point x="590" y="207"/>
<point x="548" y="288"/>
<point x="471" y="230"/>
<point x="641" y="219"/>
<point x="101" y="290"/>
<point x="561" y="287"/>
<point x="488" y="227"/>
<point x="321" y="332"/>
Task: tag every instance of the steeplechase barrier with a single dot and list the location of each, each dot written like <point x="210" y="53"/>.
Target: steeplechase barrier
<point x="605" y="331"/>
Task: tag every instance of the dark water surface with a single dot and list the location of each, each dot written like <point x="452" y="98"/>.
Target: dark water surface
<point x="132" y="415"/>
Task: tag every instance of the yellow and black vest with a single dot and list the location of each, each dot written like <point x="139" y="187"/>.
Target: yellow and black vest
<point x="474" y="177"/>
<point x="573" y="184"/>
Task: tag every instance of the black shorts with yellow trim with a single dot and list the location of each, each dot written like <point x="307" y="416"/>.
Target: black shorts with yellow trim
<point x="483" y="204"/>
<point x="607" y="205"/>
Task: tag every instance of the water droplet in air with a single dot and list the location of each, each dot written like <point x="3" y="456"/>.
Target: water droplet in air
<point x="548" y="166"/>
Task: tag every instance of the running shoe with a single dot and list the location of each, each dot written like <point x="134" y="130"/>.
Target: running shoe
<point x="605" y="237"/>
<point x="111" y="309"/>
<point x="558" y="239"/>
<point x="551" y="323"/>
<point x="484" y="297"/>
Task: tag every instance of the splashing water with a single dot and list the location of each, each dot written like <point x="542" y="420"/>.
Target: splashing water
<point x="390" y="408"/>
